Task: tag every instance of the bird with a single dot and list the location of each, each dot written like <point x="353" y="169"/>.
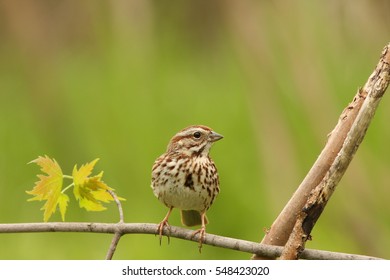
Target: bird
<point x="186" y="178"/>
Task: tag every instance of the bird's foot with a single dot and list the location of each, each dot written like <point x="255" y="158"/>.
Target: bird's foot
<point x="202" y="236"/>
<point x="160" y="229"/>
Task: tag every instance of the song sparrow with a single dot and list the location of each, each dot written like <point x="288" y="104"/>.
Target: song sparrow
<point x="186" y="178"/>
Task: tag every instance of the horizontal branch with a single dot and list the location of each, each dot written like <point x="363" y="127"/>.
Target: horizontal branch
<point x="267" y="251"/>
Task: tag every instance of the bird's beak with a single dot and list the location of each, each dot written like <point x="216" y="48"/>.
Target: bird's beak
<point x="215" y="136"/>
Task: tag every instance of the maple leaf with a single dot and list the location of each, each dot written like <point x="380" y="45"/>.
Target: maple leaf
<point x="63" y="200"/>
<point x="90" y="191"/>
<point x="49" y="187"/>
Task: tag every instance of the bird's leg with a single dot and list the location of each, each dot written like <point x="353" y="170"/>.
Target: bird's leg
<point x="164" y="223"/>
<point x="201" y="231"/>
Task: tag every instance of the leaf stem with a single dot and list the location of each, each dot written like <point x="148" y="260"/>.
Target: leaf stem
<point x="68" y="187"/>
<point x="67" y="177"/>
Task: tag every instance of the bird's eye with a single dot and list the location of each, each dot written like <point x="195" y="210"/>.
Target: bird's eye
<point x="197" y="134"/>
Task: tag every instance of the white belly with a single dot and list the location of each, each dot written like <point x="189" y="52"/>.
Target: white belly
<point x="185" y="191"/>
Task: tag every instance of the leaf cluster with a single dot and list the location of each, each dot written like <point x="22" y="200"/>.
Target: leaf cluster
<point x="90" y="191"/>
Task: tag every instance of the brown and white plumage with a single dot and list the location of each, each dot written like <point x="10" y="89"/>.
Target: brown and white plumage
<point x="185" y="177"/>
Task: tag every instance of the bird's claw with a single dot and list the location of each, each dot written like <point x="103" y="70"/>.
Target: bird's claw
<point x="160" y="230"/>
<point x="202" y="236"/>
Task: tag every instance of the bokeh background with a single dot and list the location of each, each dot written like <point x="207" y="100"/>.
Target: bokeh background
<point x="115" y="80"/>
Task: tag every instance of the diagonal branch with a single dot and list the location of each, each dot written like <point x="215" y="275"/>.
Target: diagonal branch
<point x="267" y="251"/>
<point x="347" y="134"/>
<point x="372" y="93"/>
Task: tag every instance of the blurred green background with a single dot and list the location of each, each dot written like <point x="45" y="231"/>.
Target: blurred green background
<point x="115" y="80"/>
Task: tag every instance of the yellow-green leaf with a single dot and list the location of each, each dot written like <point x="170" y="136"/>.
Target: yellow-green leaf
<point x="90" y="191"/>
<point x="49" y="186"/>
<point x="63" y="200"/>
<point x="80" y="175"/>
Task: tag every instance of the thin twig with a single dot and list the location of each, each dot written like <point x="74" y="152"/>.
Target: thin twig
<point x="114" y="243"/>
<point x="118" y="234"/>
<point x="119" y="204"/>
<point x="267" y="251"/>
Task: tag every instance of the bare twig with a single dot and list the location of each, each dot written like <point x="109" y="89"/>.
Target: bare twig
<point x="119" y="204"/>
<point x="176" y="232"/>
<point x="283" y="226"/>
<point x="114" y="243"/>
<point x="118" y="234"/>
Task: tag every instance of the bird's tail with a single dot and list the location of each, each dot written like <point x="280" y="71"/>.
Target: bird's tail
<point x="191" y="218"/>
